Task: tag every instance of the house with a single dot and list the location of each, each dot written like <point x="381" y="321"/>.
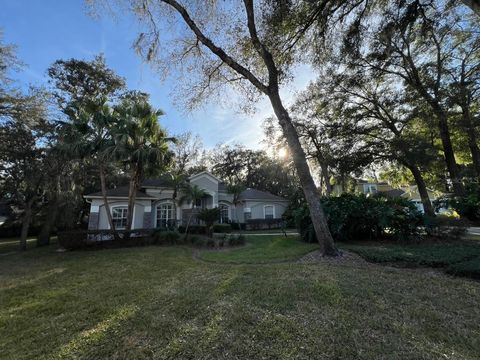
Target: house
<point x="407" y="192"/>
<point x="156" y="208"/>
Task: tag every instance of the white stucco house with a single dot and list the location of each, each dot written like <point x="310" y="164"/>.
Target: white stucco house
<point x="155" y="207"/>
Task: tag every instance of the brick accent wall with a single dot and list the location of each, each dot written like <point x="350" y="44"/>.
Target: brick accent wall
<point x="147" y="220"/>
<point x="93" y="221"/>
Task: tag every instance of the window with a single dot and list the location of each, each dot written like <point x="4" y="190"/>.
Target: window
<point x="247" y="213"/>
<point x="119" y="217"/>
<point x="165" y="215"/>
<point x="223" y="214"/>
<point x="370" y="188"/>
<point x="268" y="211"/>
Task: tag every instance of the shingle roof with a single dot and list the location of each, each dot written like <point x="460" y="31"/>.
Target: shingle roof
<point x="121" y="191"/>
<point x="163" y="181"/>
<point x="252" y="194"/>
<point x="394" y="193"/>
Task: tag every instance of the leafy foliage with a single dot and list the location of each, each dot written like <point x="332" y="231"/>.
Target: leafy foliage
<point x="358" y="217"/>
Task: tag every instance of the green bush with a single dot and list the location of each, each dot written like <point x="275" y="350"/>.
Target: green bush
<point x="194" y="229"/>
<point x="446" y="227"/>
<point x="470" y="268"/>
<point x="357" y="217"/>
<point x="222" y="228"/>
<point x="467" y="205"/>
<point x="72" y="240"/>
<point x="235" y="239"/>
<point x="167" y="237"/>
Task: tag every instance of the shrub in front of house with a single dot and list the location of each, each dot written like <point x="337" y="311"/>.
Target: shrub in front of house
<point x="358" y="217"/>
<point x="194" y="229"/>
<point x="263" y="224"/>
<point x="234" y="239"/>
<point x="222" y="228"/>
<point x="166" y="237"/>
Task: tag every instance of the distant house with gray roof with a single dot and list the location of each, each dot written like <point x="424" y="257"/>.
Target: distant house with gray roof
<point x="156" y="208"/>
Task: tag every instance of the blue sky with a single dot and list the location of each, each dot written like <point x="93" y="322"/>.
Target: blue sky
<point x="47" y="30"/>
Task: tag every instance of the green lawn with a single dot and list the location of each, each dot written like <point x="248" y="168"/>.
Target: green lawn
<point x="262" y="249"/>
<point x="9" y="245"/>
<point x="162" y="303"/>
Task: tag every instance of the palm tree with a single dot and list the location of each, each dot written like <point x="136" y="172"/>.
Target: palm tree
<point x="139" y="143"/>
<point x="235" y="190"/>
<point x="209" y="216"/>
<point x="88" y="136"/>
<point x="191" y="194"/>
<point x="178" y="182"/>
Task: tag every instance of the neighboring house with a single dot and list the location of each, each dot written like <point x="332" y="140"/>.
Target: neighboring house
<point x="155" y="207"/>
<point x="407" y="192"/>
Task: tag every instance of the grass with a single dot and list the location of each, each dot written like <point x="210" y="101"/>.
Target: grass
<point x="161" y="303"/>
<point x="262" y="249"/>
<point x="459" y="257"/>
<point x="8" y="245"/>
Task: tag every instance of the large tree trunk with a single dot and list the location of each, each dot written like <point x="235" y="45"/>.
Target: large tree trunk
<point x="26" y="219"/>
<point x="319" y="221"/>
<point x="43" y="238"/>
<point x="105" y="199"/>
<point x="326" y="178"/>
<point x="422" y="190"/>
<point x="472" y="139"/>
<point x="450" y="161"/>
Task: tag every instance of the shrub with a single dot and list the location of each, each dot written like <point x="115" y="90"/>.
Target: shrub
<point x="73" y="240"/>
<point x="194" y="229"/>
<point x="467" y="205"/>
<point x="470" y="268"/>
<point x="238" y="226"/>
<point x="222" y="228"/>
<point x="235" y="239"/>
<point x="260" y="224"/>
<point x="167" y="237"/>
<point x="446" y="227"/>
<point x="352" y="216"/>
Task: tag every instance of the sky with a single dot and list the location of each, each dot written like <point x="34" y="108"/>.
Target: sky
<point x="47" y="30"/>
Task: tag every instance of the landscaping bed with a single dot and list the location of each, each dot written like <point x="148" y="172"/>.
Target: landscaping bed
<point x="455" y="257"/>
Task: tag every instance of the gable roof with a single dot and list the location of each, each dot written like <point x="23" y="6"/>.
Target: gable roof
<point x="205" y="173"/>
<point x="119" y="192"/>
<point x="252" y="194"/>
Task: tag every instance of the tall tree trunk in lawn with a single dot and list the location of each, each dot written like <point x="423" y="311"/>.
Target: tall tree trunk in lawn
<point x="449" y="155"/>
<point x="26" y="220"/>
<point x="472" y="139"/>
<point x="308" y="185"/>
<point x="272" y="91"/>
<point x="422" y="189"/>
<point x="103" y="185"/>
<point x="43" y="238"/>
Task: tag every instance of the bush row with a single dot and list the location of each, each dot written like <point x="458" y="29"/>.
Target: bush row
<point x="356" y="217"/>
<point x="99" y="239"/>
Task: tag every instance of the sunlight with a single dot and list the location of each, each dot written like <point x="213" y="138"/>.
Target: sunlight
<point x="282" y="153"/>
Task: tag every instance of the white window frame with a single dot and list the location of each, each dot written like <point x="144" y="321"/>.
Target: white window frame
<point x="226" y="207"/>
<point x="265" y="212"/>
<point x="247" y="211"/>
<point x="370" y="188"/>
<point x="172" y="210"/>
<point x="123" y="207"/>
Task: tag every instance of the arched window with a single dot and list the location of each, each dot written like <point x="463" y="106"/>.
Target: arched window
<point x="165" y="215"/>
<point x="223" y="214"/>
<point x="119" y="217"/>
